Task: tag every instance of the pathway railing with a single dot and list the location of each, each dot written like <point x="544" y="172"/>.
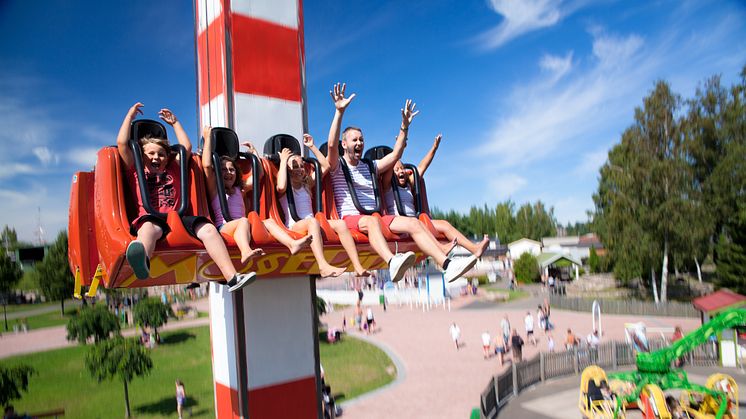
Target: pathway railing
<point x="634" y="307"/>
<point x="545" y="366"/>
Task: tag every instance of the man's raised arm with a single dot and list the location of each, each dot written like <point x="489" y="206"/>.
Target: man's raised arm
<point x="407" y="115"/>
<point x="340" y="104"/>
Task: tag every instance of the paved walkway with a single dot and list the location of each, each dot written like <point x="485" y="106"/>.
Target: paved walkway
<point x="438" y="381"/>
<point x="42" y="310"/>
<point x="49" y="338"/>
<point x="441" y="382"/>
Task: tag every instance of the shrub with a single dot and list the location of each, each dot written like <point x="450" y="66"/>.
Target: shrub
<point x="526" y="268"/>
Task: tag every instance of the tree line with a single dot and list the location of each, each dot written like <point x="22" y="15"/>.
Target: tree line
<point x="670" y="195"/>
<point x="503" y="221"/>
<point x="671" y="192"/>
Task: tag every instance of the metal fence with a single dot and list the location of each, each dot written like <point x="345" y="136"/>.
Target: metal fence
<point x="640" y="308"/>
<point x="544" y="366"/>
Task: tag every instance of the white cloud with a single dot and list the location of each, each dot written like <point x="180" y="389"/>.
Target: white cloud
<point x="612" y="50"/>
<point x="82" y="158"/>
<point x="542" y="116"/>
<point x="8" y="170"/>
<point x="520" y="17"/>
<point x="45" y="155"/>
<point x="591" y="162"/>
<point x="504" y="185"/>
<point x="556" y="66"/>
<point x="572" y="209"/>
<point x="19" y="209"/>
<point x="524" y="16"/>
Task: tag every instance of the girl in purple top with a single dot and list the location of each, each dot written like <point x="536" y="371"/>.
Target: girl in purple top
<point x="235" y="188"/>
<point x="293" y="178"/>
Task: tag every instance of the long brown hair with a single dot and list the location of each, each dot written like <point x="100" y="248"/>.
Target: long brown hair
<point x="239" y="173"/>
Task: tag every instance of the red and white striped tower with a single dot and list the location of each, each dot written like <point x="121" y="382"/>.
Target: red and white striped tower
<point x="250" y="65"/>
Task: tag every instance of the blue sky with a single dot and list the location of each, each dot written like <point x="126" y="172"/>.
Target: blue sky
<point x="529" y="95"/>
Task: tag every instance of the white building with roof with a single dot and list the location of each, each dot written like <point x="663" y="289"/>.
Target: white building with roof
<point x="524" y="245"/>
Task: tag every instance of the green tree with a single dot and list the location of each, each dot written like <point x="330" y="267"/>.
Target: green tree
<point x="535" y="221"/>
<point x="10" y="274"/>
<point x="505" y="222"/>
<point x="9" y="238"/>
<point x="151" y="312"/>
<point x="731" y="250"/>
<point x="119" y="358"/>
<point x="13" y="381"/>
<point x="53" y="272"/>
<point x="320" y="309"/>
<point x="526" y="268"/>
<point x="646" y="203"/>
<point x="593" y="261"/>
<point x="95" y="322"/>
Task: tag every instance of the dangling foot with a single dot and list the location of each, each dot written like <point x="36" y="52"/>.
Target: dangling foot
<point x="138" y="259"/>
<point x="482" y="246"/>
<point x="241" y="280"/>
<point x="299" y="244"/>
<point x="331" y="271"/>
<point x="250" y="254"/>
<point x="362" y="272"/>
<point x="449" y="246"/>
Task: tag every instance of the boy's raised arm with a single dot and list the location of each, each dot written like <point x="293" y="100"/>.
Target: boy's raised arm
<point x="124" y="134"/>
<point x="323" y="161"/>
<point x="407" y="115"/>
<point x="340" y="105"/>
<point x="168" y="117"/>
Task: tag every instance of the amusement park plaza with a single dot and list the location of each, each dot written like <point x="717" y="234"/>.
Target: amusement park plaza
<point x="292" y="209"/>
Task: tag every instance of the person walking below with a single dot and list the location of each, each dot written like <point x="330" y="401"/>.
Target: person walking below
<point x="516" y="343"/>
<point x="180" y="398"/>
<point x="486" y="343"/>
<point x="529" y="323"/>
<point x="455" y="334"/>
<point x="505" y="327"/>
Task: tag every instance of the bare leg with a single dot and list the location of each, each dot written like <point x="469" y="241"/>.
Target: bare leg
<point x="294" y="245"/>
<point x="215" y="247"/>
<point x="450" y="231"/>
<point x="372" y="227"/>
<point x="348" y="243"/>
<point x="317" y="246"/>
<point x="148" y="234"/>
<point x="240" y="230"/>
<point x="426" y="242"/>
<point x="445" y="247"/>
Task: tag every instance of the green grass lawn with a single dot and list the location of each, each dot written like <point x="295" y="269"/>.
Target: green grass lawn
<point x="17" y="308"/>
<point x="48" y="319"/>
<point x="512" y="294"/>
<point x="354" y="367"/>
<point x="62" y="381"/>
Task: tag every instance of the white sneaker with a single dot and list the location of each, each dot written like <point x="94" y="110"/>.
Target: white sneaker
<point x="458" y="267"/>
<point x="399" y="264"/>
<point x="241" y="280"/>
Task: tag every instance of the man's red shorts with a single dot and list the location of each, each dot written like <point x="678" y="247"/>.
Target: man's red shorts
<point x="352" y="221"/>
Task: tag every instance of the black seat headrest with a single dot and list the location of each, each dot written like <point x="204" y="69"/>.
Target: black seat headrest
<point x="276" y="143"/>
<point x="225" y="142"/>
<point x="147" y="127"/>
<point x="324" y="149"/>
<point x="377" y="152"/>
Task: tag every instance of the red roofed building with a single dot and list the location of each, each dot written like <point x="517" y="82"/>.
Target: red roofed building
<point x="731" y="342"/>
<point x="718" y="301"/>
